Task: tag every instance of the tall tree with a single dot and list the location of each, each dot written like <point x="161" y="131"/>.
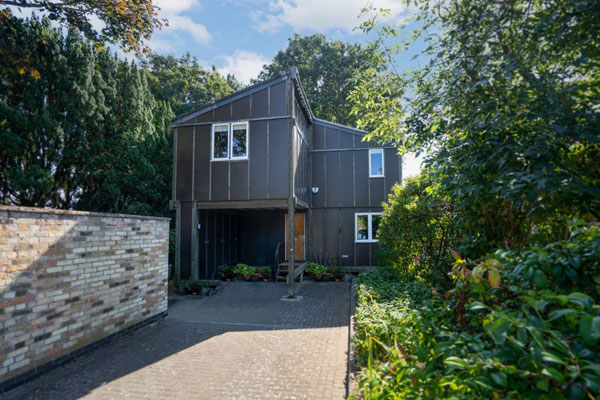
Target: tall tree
<point x="184" y="83"/>
<point x="510" y="105"/>
<point x="326" y="69"/>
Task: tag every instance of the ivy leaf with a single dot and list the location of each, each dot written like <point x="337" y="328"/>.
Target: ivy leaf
<point x="589" y="330"/>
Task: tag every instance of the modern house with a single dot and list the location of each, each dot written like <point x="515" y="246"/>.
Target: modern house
<point x="257" y="167"/>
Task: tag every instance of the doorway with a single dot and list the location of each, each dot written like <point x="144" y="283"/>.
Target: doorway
<point x="299" y="245"/>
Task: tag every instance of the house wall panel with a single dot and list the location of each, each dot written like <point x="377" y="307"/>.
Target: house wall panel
<point x="222" y="113"/>
<point x="278" y="101"/>
<point x="239" y="180"/>
<point x="220" y="180"/>
<point x="376" y="192"/>
<point x="332" y="230"/>
<point x="258" y="159"/>
<point x="241" y="108"/>
<point x="318" y="179"/>
<point x="347" y="236"/>
<point x="318" y="137"/>
<point x="361" y="173"/>
<point x="334" y="188"/>
<point x="346" y="178"/>
<point x="392" y="170"/>
<point x="278" y="182"/>
<point x="332" y="138"/>
<point x="205" y="117"/>
<point x="260" y="104"/>
<point x="185" y="241"/>
<point x="202" y="163"/>
<point x="184" y="163"/>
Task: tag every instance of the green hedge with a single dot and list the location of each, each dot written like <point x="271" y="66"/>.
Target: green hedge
<point x="518" y="325"/>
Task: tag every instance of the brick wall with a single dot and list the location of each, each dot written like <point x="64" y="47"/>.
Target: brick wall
<point x="68" y="279"/>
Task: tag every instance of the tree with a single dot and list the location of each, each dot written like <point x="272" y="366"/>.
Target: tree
<point x="183" y="83"/>
<point x="126" y="23"/>
<point x="326" y="69"/>
<point x="508" y="106"/>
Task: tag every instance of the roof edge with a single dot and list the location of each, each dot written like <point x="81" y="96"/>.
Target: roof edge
<point x="231" y="97"/>
<point x="325" y="122"/>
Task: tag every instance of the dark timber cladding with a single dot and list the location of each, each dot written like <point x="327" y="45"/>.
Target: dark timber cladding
<point x="234" y="209"/>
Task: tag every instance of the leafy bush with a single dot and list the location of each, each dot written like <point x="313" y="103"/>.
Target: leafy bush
<point x="315" y="269"/>
<point x="522" y="324"/>
<point x="417" y="230"/>
<point x="226" y="272"/>
<point x="265" y="271"/>
<point x="244" y="270"/>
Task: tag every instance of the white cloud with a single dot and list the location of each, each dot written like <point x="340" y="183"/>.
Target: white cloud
<point x="245" y="65"/>
<point x="320" y="15"/>
<point x="172" y="10"/>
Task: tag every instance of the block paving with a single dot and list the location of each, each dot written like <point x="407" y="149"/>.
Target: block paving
<point x="243" y="343"/>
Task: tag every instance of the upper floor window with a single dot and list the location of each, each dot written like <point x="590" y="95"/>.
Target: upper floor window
<point x="376" y="166"/>
<point x="366" y="226"/>
<point x="230" y="141"/>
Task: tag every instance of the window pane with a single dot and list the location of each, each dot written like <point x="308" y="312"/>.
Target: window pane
<point x="238" y="143"/>
<point x="220" y="148"/>
<point x="376" y="163"/>
<point x="362" y="227"/>
<point x="375" y="221"/>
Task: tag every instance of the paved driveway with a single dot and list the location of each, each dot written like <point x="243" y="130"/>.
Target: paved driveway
<point x="244" y="343"/>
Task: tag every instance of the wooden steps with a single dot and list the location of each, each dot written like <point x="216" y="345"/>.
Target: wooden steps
<point x="283" y="270"/>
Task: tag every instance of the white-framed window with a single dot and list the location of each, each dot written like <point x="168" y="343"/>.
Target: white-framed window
<point x="365" y="227"/>
<point x="229" y="141"/>
<point x="376" y="163"/>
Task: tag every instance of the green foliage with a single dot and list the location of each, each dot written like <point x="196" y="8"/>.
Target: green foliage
<point x="417" y="230"/>
<point x="244" y="270"/>
<point x="315" y="269"/>
<point x="507" y="104"/>
<point x="126" y="23"/>
<point x="226" y="272"/>
<point x="326" y="68"/>
<point x="266" y="272"/>
<point x="522" y="324"/>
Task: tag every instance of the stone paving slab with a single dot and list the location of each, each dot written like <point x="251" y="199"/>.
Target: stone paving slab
<point x="244" y="343"/>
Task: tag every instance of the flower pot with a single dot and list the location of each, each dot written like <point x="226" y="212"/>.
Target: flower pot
<point x="205" y="291"/>
<point x="246" y="277"/>
<point x="265" y="280"/>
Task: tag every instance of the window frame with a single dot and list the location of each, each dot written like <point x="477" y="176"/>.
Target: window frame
<point x="212" y="143"/>
<point x="230" y="156"/>
<point x="369" y="227"/>
<point x="374" y="151"/>
<point x="247" y="125"/>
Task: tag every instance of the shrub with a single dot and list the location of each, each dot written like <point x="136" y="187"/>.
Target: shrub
<point x="315" y="269"/>
<point x="521" y="324"/>
<point x="265" y="271"/>
<point x="244" y="270"/>
<point x="226" y="272"/>
<point x="417" y="231"/>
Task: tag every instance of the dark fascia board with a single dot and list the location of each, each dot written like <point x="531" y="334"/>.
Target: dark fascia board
<point x="354" y="131"/>
<point x="231" y="98"/>
<point x="304" y="104"/>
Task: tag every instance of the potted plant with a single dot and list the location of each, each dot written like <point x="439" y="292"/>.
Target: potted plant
<point x="315" y="271"/>
<point x="337" y="273"/>
<point x="244" y="271"/>
<point x="226" y="272"/>
<point x="265" y="273"/>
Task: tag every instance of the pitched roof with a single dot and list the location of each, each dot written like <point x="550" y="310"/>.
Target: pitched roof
<point x="291" y="73"/>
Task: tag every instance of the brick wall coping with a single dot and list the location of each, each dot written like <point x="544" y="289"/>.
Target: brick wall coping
<point x="38" y="210"/>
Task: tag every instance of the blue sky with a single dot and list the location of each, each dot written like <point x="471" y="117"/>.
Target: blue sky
<point x="239" y="36"/>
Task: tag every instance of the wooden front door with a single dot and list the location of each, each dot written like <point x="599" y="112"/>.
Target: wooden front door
<point x="298" y="237"/>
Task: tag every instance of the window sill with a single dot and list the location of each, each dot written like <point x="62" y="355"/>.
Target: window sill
<point x="230" y="159"/>
<point x="376" y="176"/>
<point x="366" y="241"/>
